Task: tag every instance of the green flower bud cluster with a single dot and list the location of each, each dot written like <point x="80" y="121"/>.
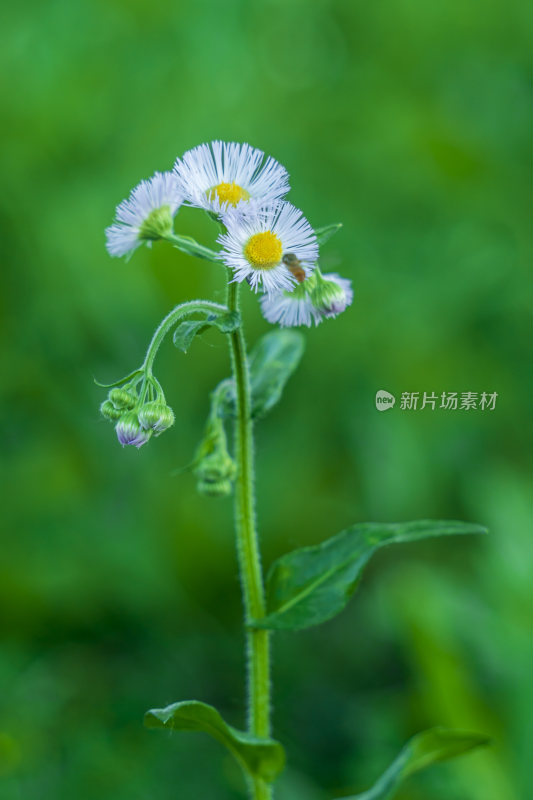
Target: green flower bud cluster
<point x="138" y="416"/>
<point x="214" y="468"/>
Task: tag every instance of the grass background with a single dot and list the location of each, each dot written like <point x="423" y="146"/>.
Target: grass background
<point x="411" y="123"/>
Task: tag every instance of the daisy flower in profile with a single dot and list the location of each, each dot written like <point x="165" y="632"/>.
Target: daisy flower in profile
<point x="290" y="309"/>
<point x="317" y="298"/>
<point x="218" y="175"/>
<point x="272" y="247"/>
<point x="146" y="215"/>
<point x="332" y="294"/>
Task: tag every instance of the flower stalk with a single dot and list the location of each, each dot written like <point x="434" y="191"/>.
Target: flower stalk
<point x="258" y="641"/>
<point x="267" y="243"/>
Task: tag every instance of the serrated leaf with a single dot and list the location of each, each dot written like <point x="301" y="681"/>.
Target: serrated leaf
<point x="261" y="758"/>
<point x="311" y="585"/>
<point x="326" y="232"/>
<point x="188" y="329"/>
<point x="423" y="750"/>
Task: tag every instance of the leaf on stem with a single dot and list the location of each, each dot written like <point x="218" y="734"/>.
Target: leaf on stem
<point x="324" y="234"/>
<point x="188" y="329"/>
<point x="311" y="585"/>
<point x="271" y="364"/>
<point x="423" y="750"/>
<point x="260" y="758"/>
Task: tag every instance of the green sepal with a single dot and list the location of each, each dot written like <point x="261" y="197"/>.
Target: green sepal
<point x="271" y="363"/>
<point x="188" y="329"/>
<point x="313" y="584"/>
<point x="423" y="750"/>
<point x="325" y="233"/>
<point x="259" y="758"/>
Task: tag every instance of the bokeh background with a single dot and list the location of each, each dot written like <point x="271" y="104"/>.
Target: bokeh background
<point x="410" y="122"/>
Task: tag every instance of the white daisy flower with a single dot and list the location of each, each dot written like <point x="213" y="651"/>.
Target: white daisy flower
<point x="218" y="175"/>
<point x="317" y="298"/>
<point x="147" y="214"/>
<point x="263" y="243"/>
<point x="290" y="309"/>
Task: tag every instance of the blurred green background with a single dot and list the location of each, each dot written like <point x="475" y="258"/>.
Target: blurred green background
<point x="409" y="121"/>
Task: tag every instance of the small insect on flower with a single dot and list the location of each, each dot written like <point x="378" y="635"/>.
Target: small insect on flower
<point x="259" y="240"/>
<point x="219" y="175"/>
<point x="146" y="215"/>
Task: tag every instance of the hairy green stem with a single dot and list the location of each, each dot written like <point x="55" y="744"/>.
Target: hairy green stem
<point x="183" y="310"/>
<point x="257" y="644"/>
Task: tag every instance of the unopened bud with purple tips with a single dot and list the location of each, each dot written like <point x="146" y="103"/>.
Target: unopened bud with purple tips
<point x="130" y="431"/>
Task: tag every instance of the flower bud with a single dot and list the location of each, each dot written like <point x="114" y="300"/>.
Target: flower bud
<point x="156" y="416"/>
<point x="122" y="398"/>
<point x="215" y="488"/>
<point x="332" y="294"/>
<point x="214" y="467"/>
<point x="130" y="431"/>
<point x="108" y="410"/>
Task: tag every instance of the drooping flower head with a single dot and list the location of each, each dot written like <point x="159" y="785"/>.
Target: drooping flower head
<point x="147" y="214"/>
<point x="263" y="242"/>
<point x="317" y="298"/>
<point x="332" y="294"/>
<point x="290" y="309"/>
<point x="220" y="175"/>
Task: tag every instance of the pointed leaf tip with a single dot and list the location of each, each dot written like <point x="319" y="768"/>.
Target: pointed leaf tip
<point x="311" y="585"/>
<point x="326" y="232"/>
<point x="423" y="750"/>
<point x="262" y="758"/>
<point x="188" y="329"/>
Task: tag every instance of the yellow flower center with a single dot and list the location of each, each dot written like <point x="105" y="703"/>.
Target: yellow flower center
<point x="229" y="193"/>
<point x="263" y="250"/>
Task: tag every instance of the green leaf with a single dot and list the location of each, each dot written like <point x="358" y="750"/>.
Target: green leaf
<point x="229" y="322"/>
<point x="261" y="758"/>
<point x="423" y="750"/>
<point x="311" y="585"/>
<point x="272" y="362"/>
<point x="188" y="329"/>
<point x="324" y="234"/>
